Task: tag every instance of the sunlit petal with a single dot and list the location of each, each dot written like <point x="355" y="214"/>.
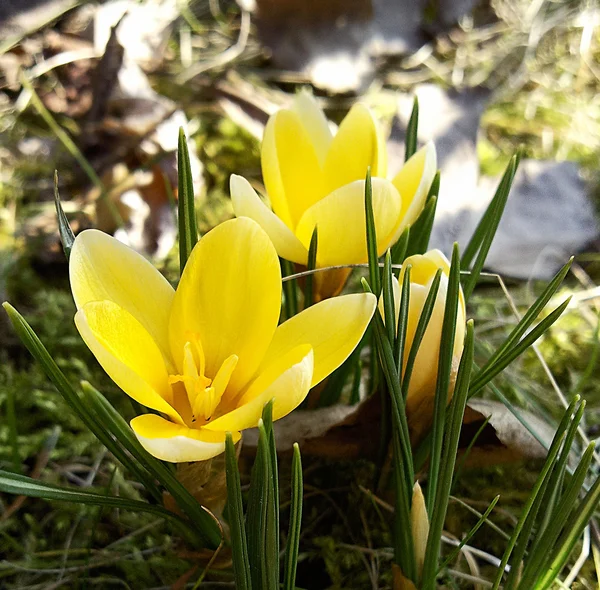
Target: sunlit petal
<point x="314" y="122"/>
<point x="127" y="353"/>
<point x="103" y="269"/>
<point x="229" y="297"/>
<point x="176" y="443"/>
<point x="290" y="166"/>
<point x="355" y="147"/>
<point x="246" y="203"/>
<point x="340" y="218"/>
<point x="423" y="270"/>
<point x="332" y="327"/>
<point x="287" y="380"/>
<point x="413" y="183"/>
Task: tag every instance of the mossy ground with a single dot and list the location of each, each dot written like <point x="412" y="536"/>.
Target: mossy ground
<point x="346" y="536"/>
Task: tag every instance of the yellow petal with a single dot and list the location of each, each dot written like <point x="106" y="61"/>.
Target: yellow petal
<point x="340" y="218"/>
<point x="332" y="327"/>
<point x="287" y="380"/>
<point x="229" y="296"/>
<point x="423" y="269"/>
<point x="103" y="269"/>
<point x="127" y="353"/>
<point x="246" y="203"/>
<point x="290" y="166"/>
<point x="356" y="146"/>
<point x="314" y="122"/>
<point x="413" y="183"/>
<point x="177" y="443"/>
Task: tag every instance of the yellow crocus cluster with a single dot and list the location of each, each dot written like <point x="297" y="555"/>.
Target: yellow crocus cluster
<point x="207" y="356"/>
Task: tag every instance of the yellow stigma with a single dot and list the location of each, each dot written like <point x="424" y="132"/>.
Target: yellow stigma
<point x="204" y="393"/>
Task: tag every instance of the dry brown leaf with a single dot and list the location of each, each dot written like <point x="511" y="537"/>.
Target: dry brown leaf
<point x="351" y="432"/>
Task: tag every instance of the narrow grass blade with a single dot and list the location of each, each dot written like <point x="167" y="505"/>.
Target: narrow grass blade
<point x="263" y="553"/>
<point x="549" y="486"/>
<point x="106" y="415"/>
<point x="207" y="526"/>
<point x="412" y="131"/>
<point x="65" y="139"/>
<point x="484" y="234"/>
<point x="482" y="519"/>
<point x="373" y="258"/>
<point x="267" y="418"/>
<point x="434" y="189"/>
<point x="404" y="550"/>
<point x="312" y="264"/>
<point x="388" y="299"/>
<point x="239" y="547"/>
<point x="356" y="382"/>
<point x="98" y="408"/>
<point x="290" y="289"/>
<point x="542" y="552"/>
<point x="537" y="488"/>
<point x="11" y="483"/>
<point x="332" y="391"/>
<point x="293" y="540"/>
<point x="402" y="456"/>
<point x="510" y="355"/>
<point x="188" y="232"/>
<point x="56" y="376"/>
<point x="529" y="317"/>
<point x="483" y="227"/>
<point x="465" y="454"/>
<point x="386" y="355"/>
<point x="420" y="330"/>
<point x="421" y="229"/>
<point x="400" y="248"/>
<point x="438" y="508"/>
<point x="443" y="376"/>
<point x="555" y="486"/>
<point x="402" y="327"/>
<point x="67" y="237"/>
<point x="572" y="531"/>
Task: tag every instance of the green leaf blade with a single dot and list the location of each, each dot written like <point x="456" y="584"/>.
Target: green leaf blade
<point x="188" y="231"/>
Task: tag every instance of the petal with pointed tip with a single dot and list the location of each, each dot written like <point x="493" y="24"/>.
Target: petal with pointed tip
<point x="314" y="122"/>
<point x="291" y="170"/>
<point x="413" y="183"/>
<point x="356" y="146"/>
<point x="103" y="269"/>
<point x="246" y="203"/>
<point x="229" y="296"/>
<point x="333" y="328"/>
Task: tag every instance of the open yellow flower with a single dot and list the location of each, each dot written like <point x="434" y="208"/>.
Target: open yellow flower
<point x="314" y="178"/>
<point x="421" y="390"/>
<point x="208" y="356"/>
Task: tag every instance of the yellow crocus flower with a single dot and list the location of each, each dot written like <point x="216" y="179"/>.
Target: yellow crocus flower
<point x="208" y="356"/>
<point x="315" y="178"/>
<point x="421" y="390"/>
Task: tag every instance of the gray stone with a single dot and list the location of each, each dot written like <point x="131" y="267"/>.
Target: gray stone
<point x="549" y="215"/>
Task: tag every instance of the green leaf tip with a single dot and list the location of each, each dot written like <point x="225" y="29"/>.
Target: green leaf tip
<point x="67" y="237"/>
<point x="188" y="231"/>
